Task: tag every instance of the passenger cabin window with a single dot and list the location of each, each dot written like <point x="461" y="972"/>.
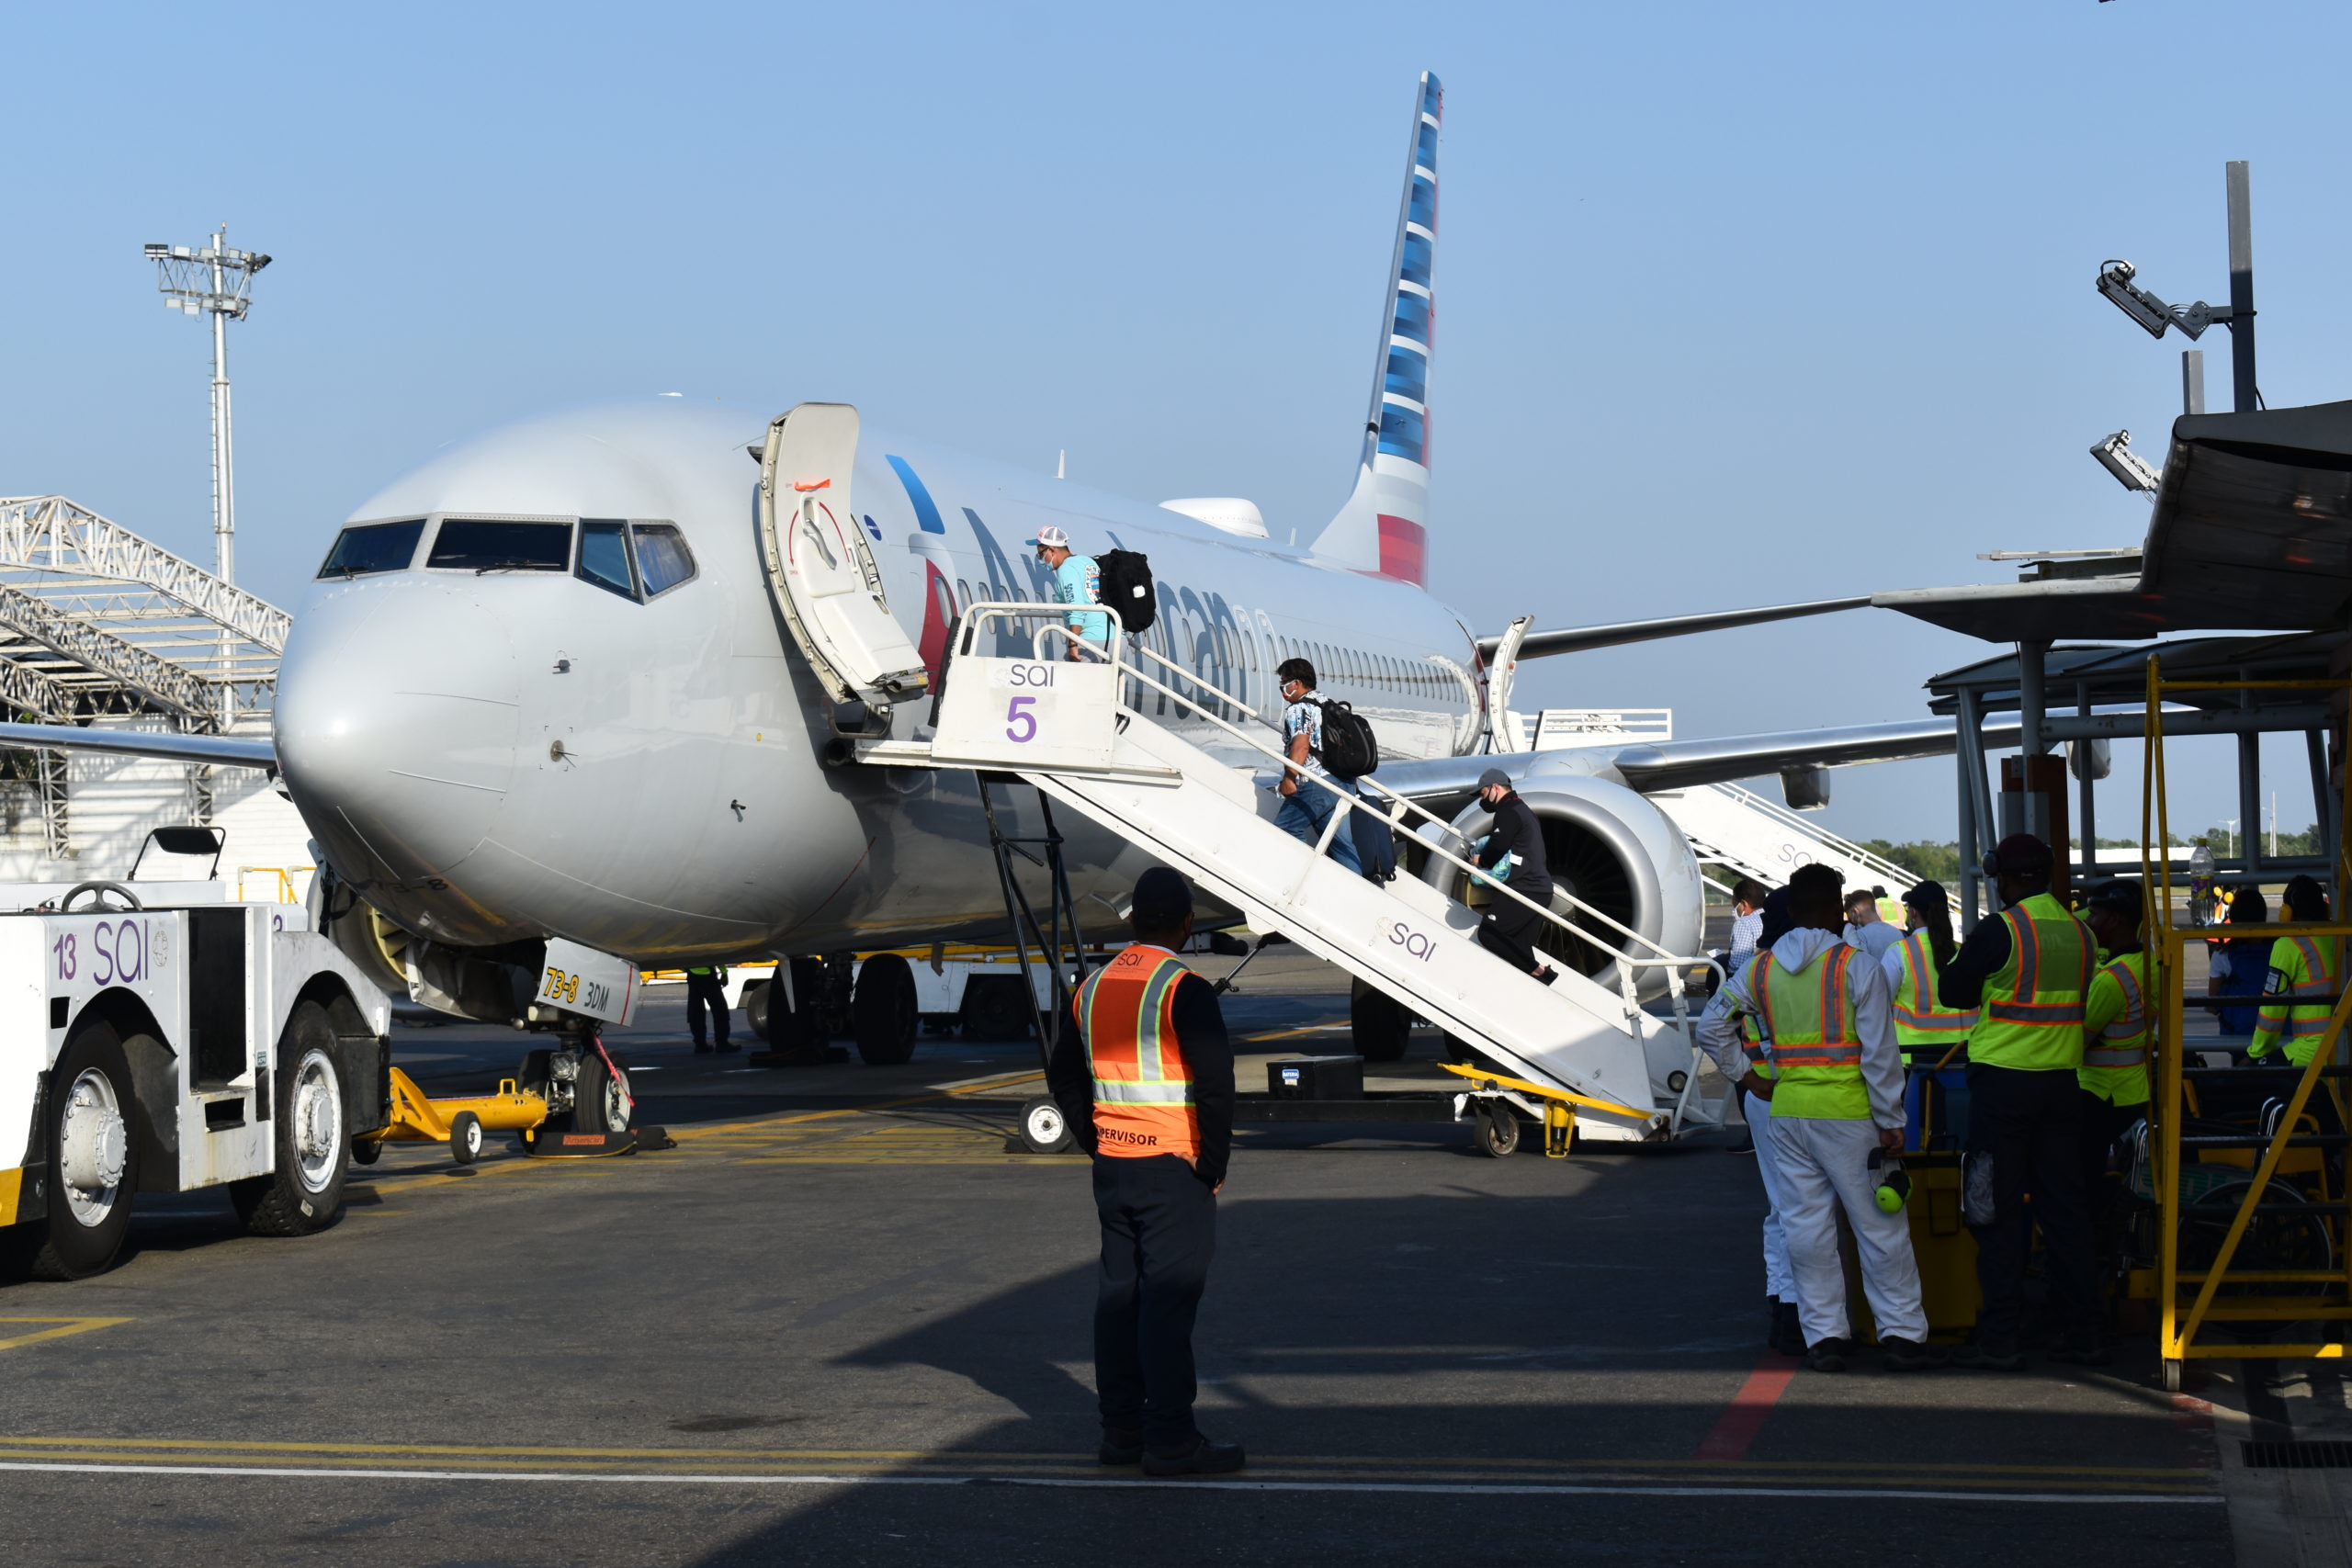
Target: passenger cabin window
<point x="469" y="544"/>
<point x="373" y="547"/>
<point x="662" y="558"/>
<point x="604" y="557"/>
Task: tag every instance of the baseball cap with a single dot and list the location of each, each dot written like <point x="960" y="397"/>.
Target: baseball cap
<point x="1493" y="776"/>
<point x="2119" y="896"/>
<point x="1050" y="538"/>
<point x="2020" y="854"/>
<point x="1161" y="898"/>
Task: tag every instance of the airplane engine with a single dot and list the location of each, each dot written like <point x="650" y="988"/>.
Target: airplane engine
<point x="1616" y="853"/>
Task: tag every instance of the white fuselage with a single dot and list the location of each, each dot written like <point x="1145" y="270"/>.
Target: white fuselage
<point x="503" y="754"/>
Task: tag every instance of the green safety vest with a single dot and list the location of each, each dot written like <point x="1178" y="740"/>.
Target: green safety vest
<point x="1920" y="1021"/>
<point x="1751" y="1031"/>
<point x="2117" y="1027"/>
<point x="1808" y="1023"/>
<point x="2031" y="1019"/>
<point x="2308" y="968"/>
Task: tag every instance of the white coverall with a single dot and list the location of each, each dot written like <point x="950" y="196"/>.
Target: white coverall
<point x="1821" y="1165"/>
<point x="1717" y="1024"/>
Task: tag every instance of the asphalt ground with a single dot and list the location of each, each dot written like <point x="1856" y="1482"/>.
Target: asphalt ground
<point x="841" y="1324"/>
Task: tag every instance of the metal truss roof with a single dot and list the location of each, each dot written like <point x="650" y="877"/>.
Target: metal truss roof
<point x="95" y="619"/>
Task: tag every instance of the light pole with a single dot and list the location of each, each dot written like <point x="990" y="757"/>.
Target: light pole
<point x="217" y="281"/>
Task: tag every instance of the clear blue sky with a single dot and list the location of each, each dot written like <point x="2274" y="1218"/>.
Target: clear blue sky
<point x="1737" y="303"/>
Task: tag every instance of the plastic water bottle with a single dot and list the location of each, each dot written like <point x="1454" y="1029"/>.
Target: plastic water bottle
<point x="2201" y="885"/>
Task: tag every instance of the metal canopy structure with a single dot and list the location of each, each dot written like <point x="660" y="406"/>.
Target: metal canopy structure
<point x="2252" y="530"/>
<point x="2024" y="697"/>
<point x="96" y="622"/>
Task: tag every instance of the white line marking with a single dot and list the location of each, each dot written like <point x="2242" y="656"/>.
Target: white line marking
<point x="1445" y="1489"/>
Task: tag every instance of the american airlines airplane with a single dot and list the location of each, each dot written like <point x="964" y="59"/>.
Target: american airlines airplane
<point x="556" y="682"/>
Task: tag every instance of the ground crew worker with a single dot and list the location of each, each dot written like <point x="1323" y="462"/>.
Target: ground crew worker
<point x="2028" y="973"/>
<point x="2115" y="1031"/>
<point x="1864" y="928"/>
<point x="1077" y="580"/>
<point x="1922" y="1027"/>
<point x="707" y="992"/>
<point x="1514" y="844"/>
<point x="2300" y="966"/>
<point x="1836" y="1094"/>
<point x="1731" y="1032"/>
<point x="1146" y="1080"/>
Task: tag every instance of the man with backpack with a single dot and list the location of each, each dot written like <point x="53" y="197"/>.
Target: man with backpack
<point x="1077" y="580"/>
<point x="1307" y="807"/>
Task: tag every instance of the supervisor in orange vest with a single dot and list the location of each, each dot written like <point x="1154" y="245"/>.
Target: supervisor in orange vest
<point x="1143" y="1074"/>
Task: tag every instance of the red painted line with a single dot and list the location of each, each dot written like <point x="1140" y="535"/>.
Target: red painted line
<point x="1739" y="1425"/>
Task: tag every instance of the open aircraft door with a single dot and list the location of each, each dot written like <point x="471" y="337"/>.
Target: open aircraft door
<point x="820" y="570"/>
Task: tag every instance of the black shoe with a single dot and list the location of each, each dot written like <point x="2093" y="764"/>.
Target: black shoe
<point x="2081" y="1353"/>
<point x="1546" y="974"/>
<point x="1788" y="1334"/>
<point x="1978" y="1357"/>
<point x="1910" y="1356"/>
<point x="1771" y="1323"/>
<point x="1200" y="1457"/>
<point x="701" y="1049"/>
<point x="1120" y="1448"/>
<point x="1746" y="1146"/>
<point x="1830" y="1356"/>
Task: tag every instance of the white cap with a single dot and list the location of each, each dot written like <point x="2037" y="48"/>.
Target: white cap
<point x="1050" y="538"/>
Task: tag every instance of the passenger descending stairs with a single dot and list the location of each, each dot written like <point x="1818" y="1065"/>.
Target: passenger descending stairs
<point x="1060" y="727"/>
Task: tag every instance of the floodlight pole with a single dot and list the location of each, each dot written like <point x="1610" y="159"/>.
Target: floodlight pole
<point x="2246" y="398"/>
<point x="224" y="502"/>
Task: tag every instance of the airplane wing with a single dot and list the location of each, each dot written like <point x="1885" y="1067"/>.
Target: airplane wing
<point x="1579" y="639"/>
<point x="212" y="750"/>
<point x="1682" y="764"/>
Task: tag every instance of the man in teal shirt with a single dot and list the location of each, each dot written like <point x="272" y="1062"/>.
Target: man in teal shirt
<point x="1077" y="580"/>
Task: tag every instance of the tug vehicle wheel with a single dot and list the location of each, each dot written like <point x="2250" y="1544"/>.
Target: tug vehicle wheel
<point x="312" y="1142"/>
<point x="1498" y="1130"/>
<point x="93" y="1165"/>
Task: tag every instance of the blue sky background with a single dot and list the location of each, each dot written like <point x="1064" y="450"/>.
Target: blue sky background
<point x="1736" y="304"/>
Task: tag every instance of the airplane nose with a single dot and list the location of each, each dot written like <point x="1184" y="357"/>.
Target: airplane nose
<point x="398" y="702"/>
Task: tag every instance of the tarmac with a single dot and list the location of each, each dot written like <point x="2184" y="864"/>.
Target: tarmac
<point x="845" y="1322"/>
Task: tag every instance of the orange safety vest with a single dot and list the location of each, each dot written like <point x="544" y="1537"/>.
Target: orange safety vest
<point x="1143" y="1088"/>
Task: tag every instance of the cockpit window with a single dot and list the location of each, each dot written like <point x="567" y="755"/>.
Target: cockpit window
<point x="373" y="547"/>
<point x="478" y="545"/>
<point x="662" y="558"/>
<point x="604" y="557"/>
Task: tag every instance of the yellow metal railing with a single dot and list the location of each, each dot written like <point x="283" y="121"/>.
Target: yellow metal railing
<point x="2182" y="1324"/>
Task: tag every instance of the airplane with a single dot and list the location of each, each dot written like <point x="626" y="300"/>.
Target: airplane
<point x="558" y="682"/>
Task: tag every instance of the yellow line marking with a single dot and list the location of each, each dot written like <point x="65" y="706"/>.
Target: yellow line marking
<point x="1302" y="1028"/>
<point x="686" y="1133"/>
<point x="73" y="1326"/>
<point x="1893" y="1471"/>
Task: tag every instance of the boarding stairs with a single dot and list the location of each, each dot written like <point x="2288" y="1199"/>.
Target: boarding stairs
<point x="1076" y="732"/>
<point x="1738" y="829"/>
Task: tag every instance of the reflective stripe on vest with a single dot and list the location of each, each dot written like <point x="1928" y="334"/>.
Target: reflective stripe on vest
<point x="2123" y="1042"/>
<point x="1920" y="1019"/>
<point x="1143" y="1089"/>
<point x="1753" y="1042"/>
<point x="1814" y="1046"/>
<point x="2032" y="1018"/>
<point x="2303" y="1019"/>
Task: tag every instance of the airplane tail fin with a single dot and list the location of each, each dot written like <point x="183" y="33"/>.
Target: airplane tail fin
<point x="1381" y="529"/>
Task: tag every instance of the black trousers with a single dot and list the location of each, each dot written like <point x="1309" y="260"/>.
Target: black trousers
<point x="1159" y="1230"/>
<point x="2030" y="1126"/>
<point x="1504" y="933"/>
<point x="705" y="992"/>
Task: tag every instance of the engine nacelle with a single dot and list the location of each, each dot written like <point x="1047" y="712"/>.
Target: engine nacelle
<point x="1613" y="851"/>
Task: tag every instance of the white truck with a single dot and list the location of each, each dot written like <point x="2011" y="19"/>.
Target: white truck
<point x="156" y="1037"/>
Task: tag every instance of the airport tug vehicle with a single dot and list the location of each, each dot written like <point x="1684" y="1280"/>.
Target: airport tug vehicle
<point x="165" y="1046"/>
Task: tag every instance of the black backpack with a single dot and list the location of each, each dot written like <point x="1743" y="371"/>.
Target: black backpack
<point x="1349" y="750"/>
<point x="1125" y="589"/>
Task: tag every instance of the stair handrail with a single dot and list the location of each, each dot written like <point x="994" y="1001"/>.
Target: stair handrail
<point x="1843" y="845"/>
<point x="1111" y="653"/>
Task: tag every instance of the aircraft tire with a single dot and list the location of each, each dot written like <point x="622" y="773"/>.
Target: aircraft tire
<point x="81" y="1239"/>
<point x="304" y="1193"/>
<point x="1381" y="1027"/>
<point x="755" y="1006"/>
<point x="883" y="1015"/>
<point x="599" y="1101"/>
